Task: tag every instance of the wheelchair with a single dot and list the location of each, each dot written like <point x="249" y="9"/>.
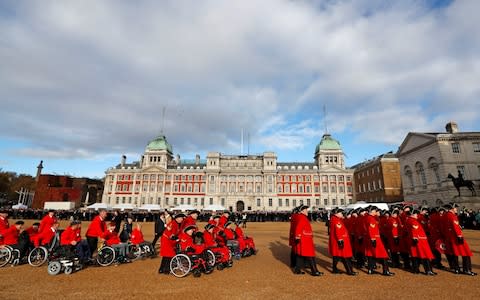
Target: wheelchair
<point x="142" y="250"/>
<point x="234" y="248"/>
<point x="107" y="255"/>
<point x="183" y="263"/>
<point x="9" y="255"/>
<point x="66" y="261"/>
<point x="39" y="255"/>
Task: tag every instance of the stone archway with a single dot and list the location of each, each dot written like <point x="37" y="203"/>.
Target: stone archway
<point x="240" y="206"/>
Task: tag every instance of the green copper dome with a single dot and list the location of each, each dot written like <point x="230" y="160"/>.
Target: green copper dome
<point x="159" y="143"/>
<point x="328" y="143"/>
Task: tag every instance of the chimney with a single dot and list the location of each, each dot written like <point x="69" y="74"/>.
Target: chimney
<point x="197" y="159"/>
<point x="39" y="170"/>
<point x="451" y="127"/>
<point x="124" y="159"/>
<point x="178" y="159"/>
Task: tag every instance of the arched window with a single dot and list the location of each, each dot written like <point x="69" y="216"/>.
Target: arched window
<point x="421" y="174"/>
<point x="409" y="175"/>
<point x="433" y="166"/>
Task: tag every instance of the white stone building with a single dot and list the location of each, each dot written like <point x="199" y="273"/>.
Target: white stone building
<point x="237" y="182"/>
<point x="426" y="159"/>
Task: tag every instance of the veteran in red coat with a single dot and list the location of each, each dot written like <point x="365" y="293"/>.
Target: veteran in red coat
<point x="374" y="248"/>
<point x="339" y="245"/>
<point x="304" y="246"/>
<point x="455" y="241"/>
<point x="419" y="248"/>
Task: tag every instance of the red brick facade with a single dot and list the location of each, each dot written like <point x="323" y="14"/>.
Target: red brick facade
<point x="68" y="189"/>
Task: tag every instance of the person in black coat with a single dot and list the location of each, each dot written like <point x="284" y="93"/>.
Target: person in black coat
<point x="159" y="228"/>
<point x="127" y="230"/>
<point x="117" y="219"/>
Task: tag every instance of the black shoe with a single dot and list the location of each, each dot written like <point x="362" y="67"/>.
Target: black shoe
<point x="388" y="273"/>
<point x="430" y="273"/>
<point x="470" y="273"/>
<point x="352" y="273"/>
<point x="335" y="271"/>
<point x="317" y="273"/>
<point x="370" y="272"/>
<point x="456" y="271"/>
<point x="298" y="272"/>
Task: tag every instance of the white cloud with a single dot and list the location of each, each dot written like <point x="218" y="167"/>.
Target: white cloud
<point x="90" y="78"/>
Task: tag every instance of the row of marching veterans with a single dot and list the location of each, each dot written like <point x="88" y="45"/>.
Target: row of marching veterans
<point x="401" y="237"/>
<point x="221" y="236"/>
<point x="48" y="235"/>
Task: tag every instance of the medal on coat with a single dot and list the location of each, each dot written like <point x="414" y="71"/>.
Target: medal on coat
<point x="440" y="246"/>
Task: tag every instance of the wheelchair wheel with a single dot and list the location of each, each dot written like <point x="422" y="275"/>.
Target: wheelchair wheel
<point x="54" y="268"/>
<point x="105" y="256"/>
<point x="37" y="257"/>
<point x="68" y="270"/>
<point x="135" y="252"/>
<point x="210" y="259"/>
<point x="180" y="265"/>
<point x="197" y="273"/>
<point x="5" y="256"/>
<point x="15" y="260"/>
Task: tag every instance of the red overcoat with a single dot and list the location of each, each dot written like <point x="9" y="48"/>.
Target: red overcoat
<point x="373" y="234"/>
<point x="68" y="236"/>
<point x="338" y="232"/>
<point x="304" y="236"/>
<point x="44" y="238"/>
<point x="3" y="227"/>
<point x="392" y="233"/>
<point x="187" y="222"/>
<point x="167" y="245"/>
<point x="291" y="236"/>
<point x="111" y="238"/>
<point x="137" y="237"/>
<point x="46" y="223"/>
<point x="96" y="228"/>
<point x="434" y="228"/>
<point x="186" y="242"/>
<point x="422" y="248"/>
<point x="453" y="232"/>
<point x="10" y="236"/>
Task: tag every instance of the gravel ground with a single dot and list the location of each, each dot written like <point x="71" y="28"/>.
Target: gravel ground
<point x="264" y="276"/>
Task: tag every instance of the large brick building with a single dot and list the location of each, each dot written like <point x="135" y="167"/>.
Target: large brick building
<point x="237" y="182"/>
<point x="55" y="188"/>
<point x="379" y="179"/>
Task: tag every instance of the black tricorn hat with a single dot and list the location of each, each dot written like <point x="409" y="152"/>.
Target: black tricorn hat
<point x="209" y="226"/>
<point x="302" y="207"/>
<point x="194" y="212"/>
<point x="187" y="228"/>
<point x="448" y="206"/>
<point x="180" y="215"/>
<point x="372" y="208"/>
<point x="227" y="224"/>
<point x="19" y="223"/>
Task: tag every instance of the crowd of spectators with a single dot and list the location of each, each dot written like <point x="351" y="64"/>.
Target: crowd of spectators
<point x="469" y="219"/>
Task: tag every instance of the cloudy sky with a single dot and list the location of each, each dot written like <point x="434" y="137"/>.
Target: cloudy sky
<point x="83" y="82"/>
